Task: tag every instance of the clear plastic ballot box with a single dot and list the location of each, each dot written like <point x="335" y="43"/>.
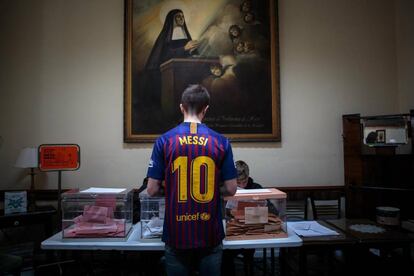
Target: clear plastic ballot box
<point x="97" y="213"/>
<point x="256" y="214"/>
<point x="152" y="217"/>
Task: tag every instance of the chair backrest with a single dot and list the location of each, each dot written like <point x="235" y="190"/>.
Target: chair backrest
<point x="297" y="210"/>
<point x="326" y="208"/>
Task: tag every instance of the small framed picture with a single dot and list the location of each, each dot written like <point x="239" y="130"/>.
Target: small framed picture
<point x="15" y="202"/>
<point x="380" y="136"/>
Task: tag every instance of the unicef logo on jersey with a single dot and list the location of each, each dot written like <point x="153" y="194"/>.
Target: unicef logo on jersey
<point x="205" y="216"/>
<point x="193" y="217"/>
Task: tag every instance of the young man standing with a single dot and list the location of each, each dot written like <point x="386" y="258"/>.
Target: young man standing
<point x="192" y="160"/>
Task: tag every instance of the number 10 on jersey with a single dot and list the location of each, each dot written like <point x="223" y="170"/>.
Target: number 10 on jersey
<point x="180" y="166"/>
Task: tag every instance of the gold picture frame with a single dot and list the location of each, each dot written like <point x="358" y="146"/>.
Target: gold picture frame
<point x="244" y="86"/>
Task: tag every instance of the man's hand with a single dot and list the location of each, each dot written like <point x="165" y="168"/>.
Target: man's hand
<point x="191" y="45"/>
<point x="153" y="186"/>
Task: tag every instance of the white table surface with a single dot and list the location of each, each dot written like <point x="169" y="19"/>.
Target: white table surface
<point x="133" y="243"/>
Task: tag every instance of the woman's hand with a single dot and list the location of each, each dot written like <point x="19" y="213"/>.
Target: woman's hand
<point x="191" y="45"/>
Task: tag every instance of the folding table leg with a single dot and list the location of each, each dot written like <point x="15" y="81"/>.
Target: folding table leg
<point x="303" y="270"/>
<point x="264" y="261"/>
<point x="282" y="261"/>
<point x="272" y="261"/>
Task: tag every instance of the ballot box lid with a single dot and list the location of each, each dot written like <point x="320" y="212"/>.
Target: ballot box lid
<point x="257" y="194"/>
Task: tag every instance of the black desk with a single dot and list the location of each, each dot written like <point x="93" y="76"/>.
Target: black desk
<point x="320" y="245"/>
<point x="42" y="215"/>
<point x="389" y="239"/>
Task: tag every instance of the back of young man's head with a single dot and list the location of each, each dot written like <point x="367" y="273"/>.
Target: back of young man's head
<point x="195" y="99"/>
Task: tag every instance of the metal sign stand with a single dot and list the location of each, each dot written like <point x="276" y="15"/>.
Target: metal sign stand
<point x="59" y="157"/>
<point x="59" y="205"/>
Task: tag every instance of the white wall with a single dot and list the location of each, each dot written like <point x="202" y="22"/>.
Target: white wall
<point x="61" y="80"/>
<point x="405" y="51"/>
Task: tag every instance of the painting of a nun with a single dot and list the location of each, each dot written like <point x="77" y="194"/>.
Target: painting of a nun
<point x="229" y="46"/>
<point x="174" y="41"/>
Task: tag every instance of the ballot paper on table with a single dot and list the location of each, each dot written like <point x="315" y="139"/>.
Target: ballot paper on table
<point x="311" y="229"/>
<point x="95" y="190"/>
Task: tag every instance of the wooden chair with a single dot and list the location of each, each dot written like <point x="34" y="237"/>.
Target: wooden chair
<point x="297" y="210"/>
<point x="326" y="208"/>
<point x="320" y="260"/>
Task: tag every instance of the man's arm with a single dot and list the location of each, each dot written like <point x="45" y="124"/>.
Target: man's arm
<point x="153" y="186"/>
<point x="156" y="168"/>
<point x="231" y="187"/>
<point x="228" y="172"/>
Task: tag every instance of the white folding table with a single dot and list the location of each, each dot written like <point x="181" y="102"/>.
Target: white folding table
<point x="133" y="243"/>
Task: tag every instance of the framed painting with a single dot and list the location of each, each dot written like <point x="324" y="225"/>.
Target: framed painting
<point x="228" y="46"/>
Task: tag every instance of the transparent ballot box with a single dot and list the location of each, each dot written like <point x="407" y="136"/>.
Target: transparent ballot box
<point x="97" y="213"/>
<point x="152" y="217"/>
<point x="256" y="214"/>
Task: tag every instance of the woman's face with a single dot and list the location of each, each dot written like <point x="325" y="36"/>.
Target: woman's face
<point x="179" y="19"/>
<point x="242" y="183"/>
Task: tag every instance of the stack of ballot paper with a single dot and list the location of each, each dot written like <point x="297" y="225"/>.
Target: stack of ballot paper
<point x="311" y="229"/>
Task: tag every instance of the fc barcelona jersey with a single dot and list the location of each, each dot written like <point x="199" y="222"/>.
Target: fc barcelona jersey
<point x="193" y="160"/>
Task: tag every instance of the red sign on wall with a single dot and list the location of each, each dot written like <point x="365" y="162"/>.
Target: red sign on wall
<point x="61" y="157"/>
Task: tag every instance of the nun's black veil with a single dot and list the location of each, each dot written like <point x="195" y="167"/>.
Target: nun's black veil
<point x="150" y="85"/>
<point x="160" y="48"/>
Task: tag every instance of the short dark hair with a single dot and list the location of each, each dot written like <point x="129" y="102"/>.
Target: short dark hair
<point x="195" y="98"/>
<point x="242" y="170"/>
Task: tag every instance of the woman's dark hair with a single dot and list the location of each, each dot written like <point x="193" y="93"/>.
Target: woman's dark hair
<point x="156" y="56"/>
<point x="195" y="98"/>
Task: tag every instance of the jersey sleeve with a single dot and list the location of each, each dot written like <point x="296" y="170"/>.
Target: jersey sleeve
<point x="228" y="169"/>
<point x="156" y="166"/>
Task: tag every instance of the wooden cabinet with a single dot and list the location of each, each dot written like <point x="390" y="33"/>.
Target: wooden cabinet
<point x="378" y="173"/>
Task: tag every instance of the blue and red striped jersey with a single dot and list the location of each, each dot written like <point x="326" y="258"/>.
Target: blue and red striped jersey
<point x="193" y="160"/>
